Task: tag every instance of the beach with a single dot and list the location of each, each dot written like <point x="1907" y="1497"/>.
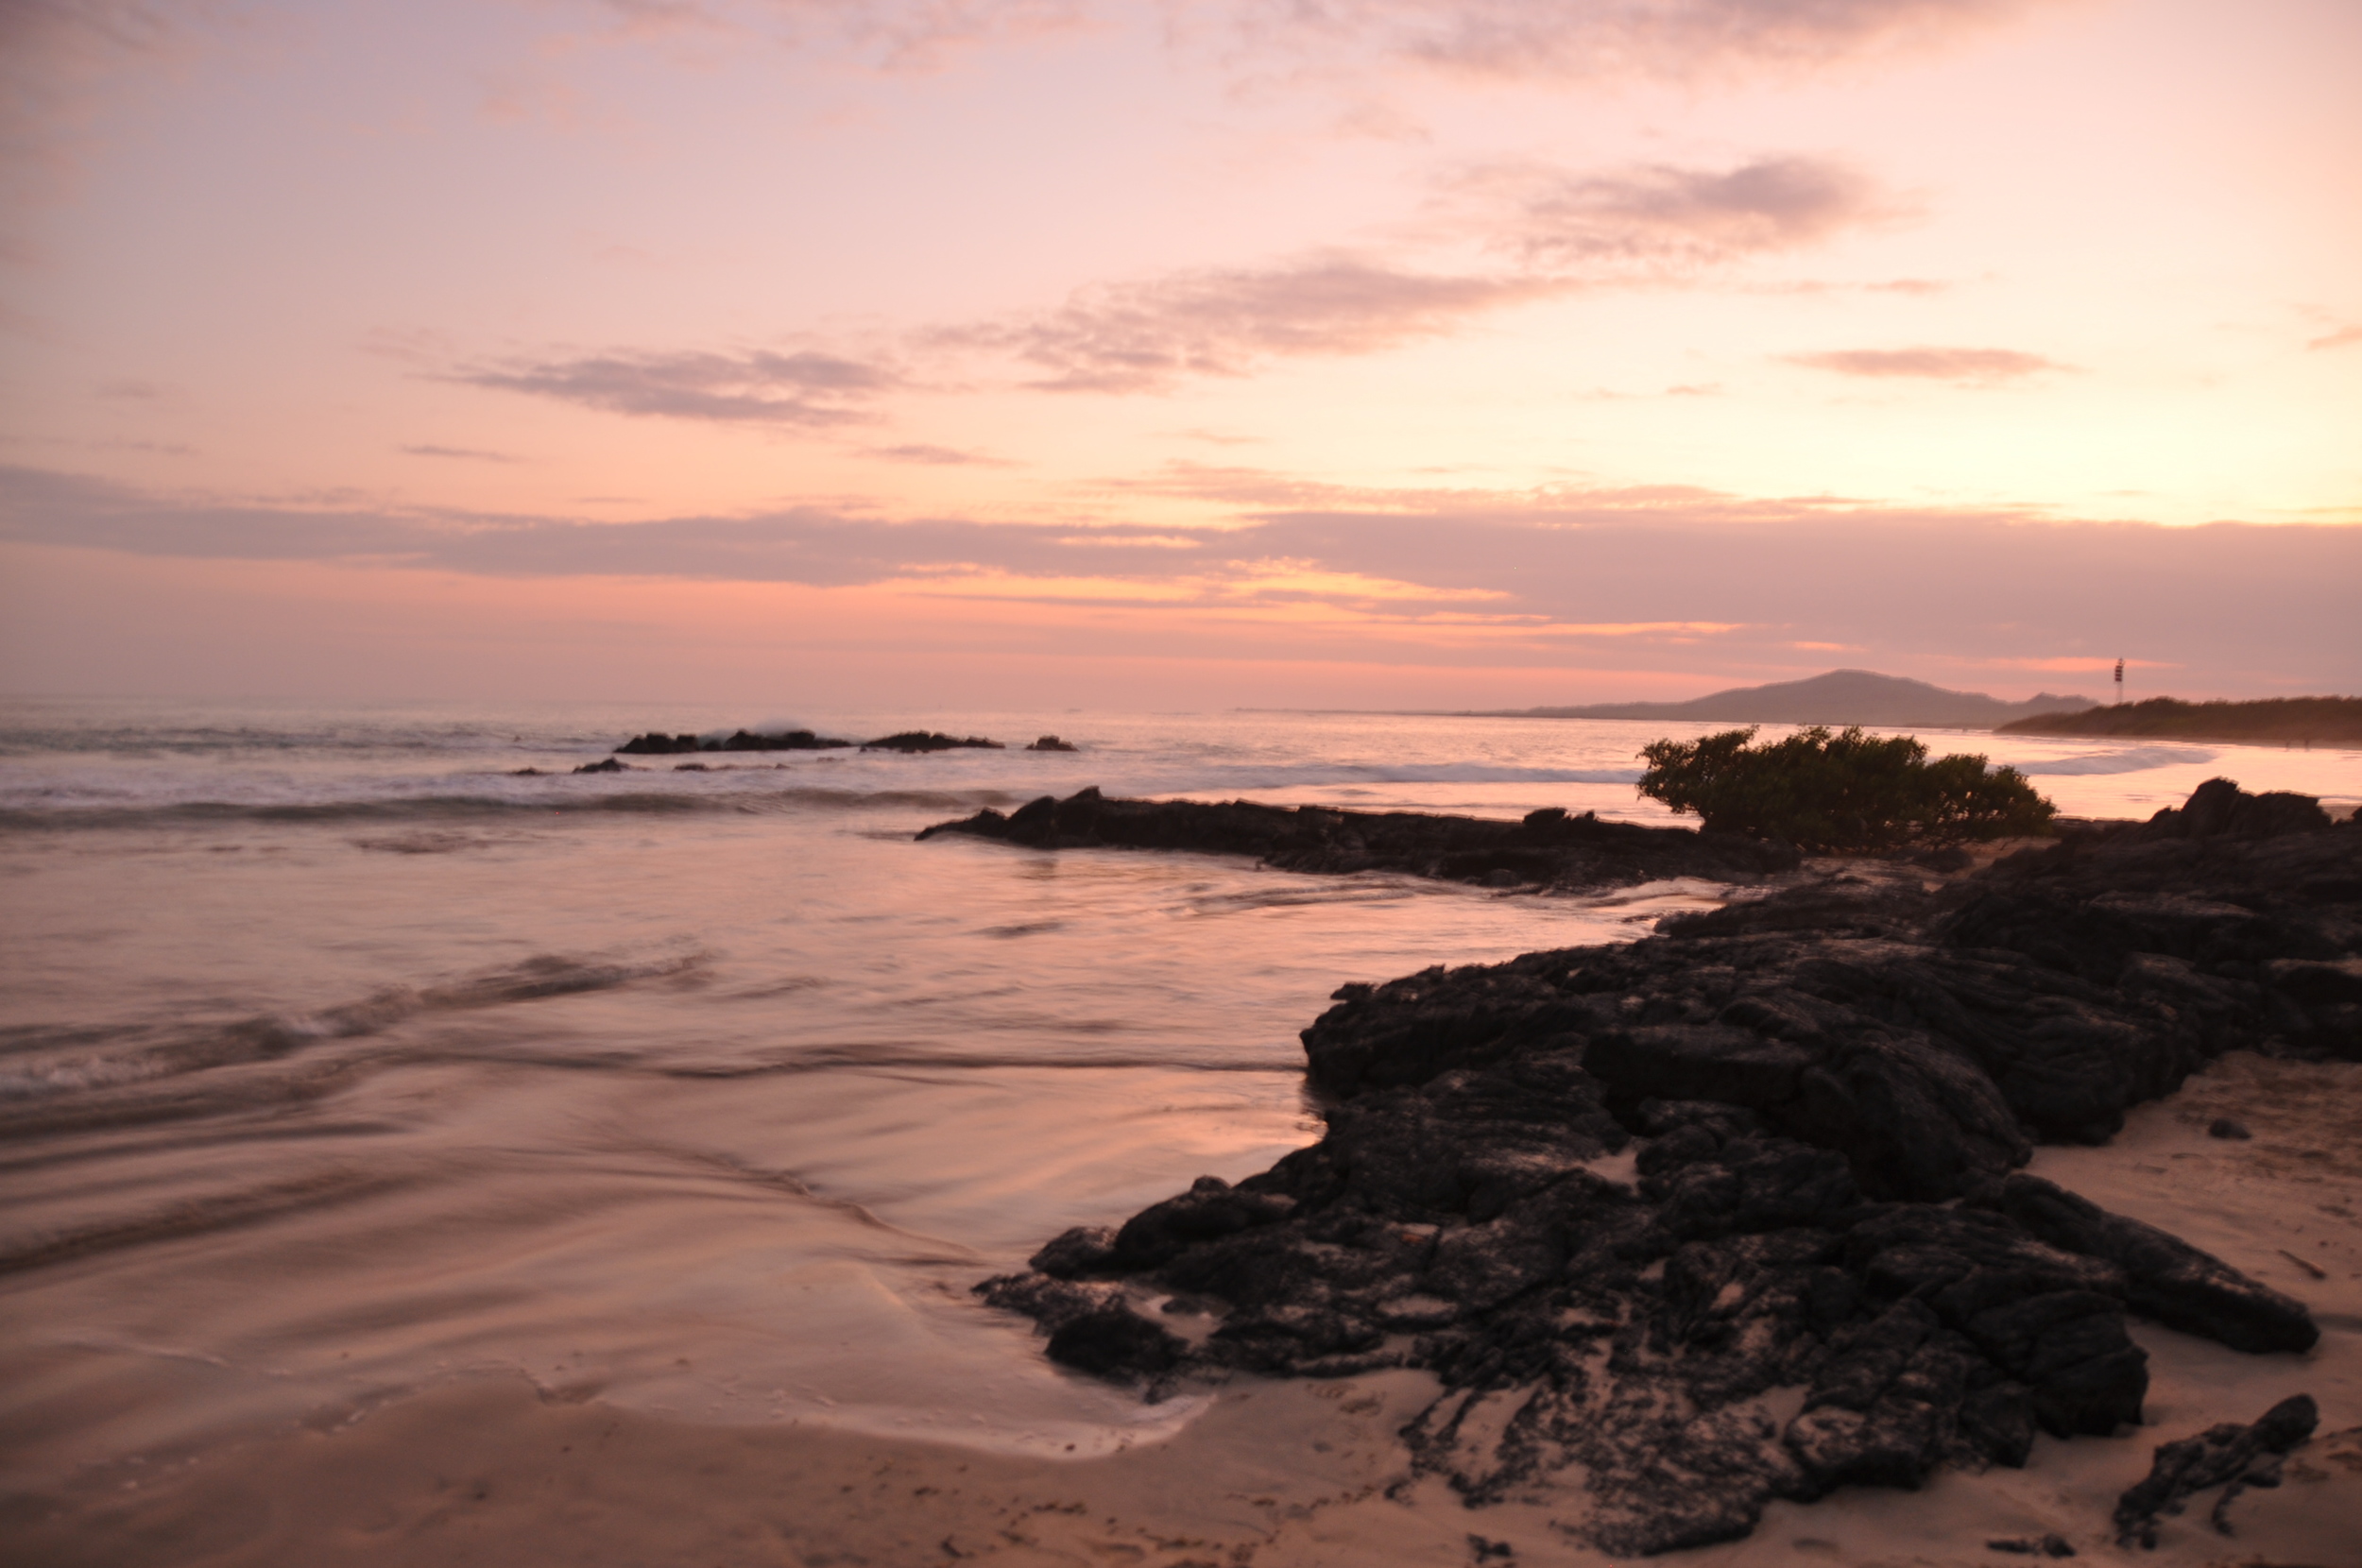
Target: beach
<point x="410" y="1162"/>
<point x="503" y="1469"/>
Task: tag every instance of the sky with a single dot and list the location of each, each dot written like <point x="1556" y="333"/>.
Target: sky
<point x="1177" y="353"/>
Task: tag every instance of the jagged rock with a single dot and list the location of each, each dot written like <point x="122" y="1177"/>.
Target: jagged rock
<point x="2228" y="1456"/>
<point x="1823" y="1121"/>
<point x="657" y="743"/>
<point x="928" y="739"/>
<point x="1548" y="849"/>
<point x="2220" y="807"/>
<point x="1051" y="743"/>
<point x="605" y="764"/>
<point x="2048" y="1545"/>
<point x="2166" y="1277"/>
<point x="1211" y="1208"/>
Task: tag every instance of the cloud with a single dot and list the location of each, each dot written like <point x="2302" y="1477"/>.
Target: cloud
<point x="1979" y="366"/>
<point x="934" y="456"/>
<point x="1591" y="39"/>
<point x="803" y="389"/>
<point x="1567" y="231"/>
<point x="2343" y="337"/>
<point x="471" y="455"/>
<point x="1661" y="216"/>
<point x="891" y="36"/>
<point x="1147" y="335"/>
<point x="59" y="58"/>
<point x="1631" y="568"/>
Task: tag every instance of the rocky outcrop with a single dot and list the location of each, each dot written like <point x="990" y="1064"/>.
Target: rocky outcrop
<point x="1548" y="849"/>
<point x="1614" y="1197"/>
<point x="1051" y="743"/>
<point x="656" y="744"/>
<point x="928" y="739"/>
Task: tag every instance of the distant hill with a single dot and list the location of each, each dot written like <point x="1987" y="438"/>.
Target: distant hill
<point x="2334" y="720"/>
<point x="1839" y="697"/>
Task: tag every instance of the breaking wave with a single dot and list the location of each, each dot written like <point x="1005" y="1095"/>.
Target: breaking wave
<point x="42" y="1063"/>
<point x="2135" y="760"/>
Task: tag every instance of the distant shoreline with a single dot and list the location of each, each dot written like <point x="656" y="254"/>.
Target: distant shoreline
<point x="2334" y="721"/>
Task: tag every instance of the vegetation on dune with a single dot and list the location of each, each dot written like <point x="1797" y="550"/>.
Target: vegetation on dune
<point x="2330" y="719"/>
<point x="1847" y="790"/>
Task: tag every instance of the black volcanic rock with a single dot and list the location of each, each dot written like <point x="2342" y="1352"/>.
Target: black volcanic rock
<point x="656" y="744"/>
<point x="2228" y="1456"/>
<point x="1051" y="743"/>
<point x="1613" y="1196"/>
<point x="928" y="739"/>
<point x="1548" y="848"/>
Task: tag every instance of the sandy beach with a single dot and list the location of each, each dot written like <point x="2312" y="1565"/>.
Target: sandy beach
<point x="497" y="1470"/>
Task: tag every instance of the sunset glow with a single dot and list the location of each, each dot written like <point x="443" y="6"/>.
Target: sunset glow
<point x="1373" y="353"/>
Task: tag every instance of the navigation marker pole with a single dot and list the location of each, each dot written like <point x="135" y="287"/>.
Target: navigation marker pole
<point x="2119" y="683"/>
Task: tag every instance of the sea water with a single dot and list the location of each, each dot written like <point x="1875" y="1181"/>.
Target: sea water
<point x="341" y="1056"/>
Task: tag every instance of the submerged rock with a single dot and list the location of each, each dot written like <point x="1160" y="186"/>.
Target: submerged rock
<point x="1614" y="1196"/>
<point x="1548" y="848"/>
<point x="1051" y="743"/>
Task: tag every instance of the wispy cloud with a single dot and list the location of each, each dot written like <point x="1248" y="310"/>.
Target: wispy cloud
<point x="1147" y="335"/>
<point x="1591" y="39"/>
<point x="801" y="389"/>
<point x="1975" y="367"/>
<point x="1665" y="216"/>
<point x="934" y="456"/>
<point x="1563" y="231"/>
<point x="467" y="454"/>
<point x="891" y="36"/>
<point x="52" y="52"/>
<point x="2343" y="337"/>
<point x="1661" y="568"/>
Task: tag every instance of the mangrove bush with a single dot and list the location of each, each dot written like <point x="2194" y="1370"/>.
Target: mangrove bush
<point x="1847" y="790"/>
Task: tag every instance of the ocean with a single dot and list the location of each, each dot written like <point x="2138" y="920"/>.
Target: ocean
<point x="339" y="1061"/>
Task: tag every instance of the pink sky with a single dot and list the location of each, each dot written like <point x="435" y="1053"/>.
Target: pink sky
<point x="1365" y="352"/>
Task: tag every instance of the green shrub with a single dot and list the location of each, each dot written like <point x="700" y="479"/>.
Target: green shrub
<point x="1848" y="790"/>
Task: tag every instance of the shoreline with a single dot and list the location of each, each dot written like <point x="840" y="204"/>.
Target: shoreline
<point x="1297" y="1474"/>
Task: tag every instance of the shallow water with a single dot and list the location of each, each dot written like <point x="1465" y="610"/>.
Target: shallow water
<point x="336" y="1061"/>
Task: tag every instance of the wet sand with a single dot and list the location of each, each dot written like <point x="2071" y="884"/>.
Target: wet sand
<point x="497" y="1471"/>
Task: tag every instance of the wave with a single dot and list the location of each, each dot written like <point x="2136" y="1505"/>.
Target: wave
<point x="45" y="1064"/>
<point x="2134" y="759"/>
<point x="395" y="810"/>
<point x="1284" y="775"/>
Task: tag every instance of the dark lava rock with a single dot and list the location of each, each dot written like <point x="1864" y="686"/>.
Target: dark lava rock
<point x="656" y="744"/>
<point x="928" y="739"/>
<point x="605" y="764"/>
<point x="2166" y="1278"/>
<point x="2048" y="1545"/>
<point x="1051" y="743"/>
<point x="2227" y="1127"/>
<point x="2230" y="1455"/>
<point x="1548" y="849"/>
<point x="1611" y="1197"/>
